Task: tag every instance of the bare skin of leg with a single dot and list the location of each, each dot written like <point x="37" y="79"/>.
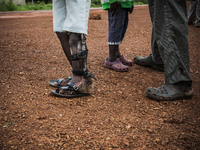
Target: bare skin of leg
<point x="117" y="52"/>
<point x="113" y="52"/>
<point x="64" y="41"/>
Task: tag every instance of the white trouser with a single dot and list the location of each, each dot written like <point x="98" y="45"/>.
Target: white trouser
<point x="71" y="15"/>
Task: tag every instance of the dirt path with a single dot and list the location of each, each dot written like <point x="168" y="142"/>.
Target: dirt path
<point x="116" y="116"/>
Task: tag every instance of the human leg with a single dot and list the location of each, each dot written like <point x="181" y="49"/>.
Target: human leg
<point x="81" y="82"/>
<point x="171" y="36"/>
<point x="114" y="39"/>
<point x="75" y="25"/>
<point x="64" y="41"/>
<point x="156" y="57"/>
<point x="114" y="34"/>
<point x="79" y="54"/>
<point x="59" y="17"/>
<point x="118" y="24"/>
<point x="125" y="21"/>
<point x="153" y="60"/>
<point x="117" y="27"/>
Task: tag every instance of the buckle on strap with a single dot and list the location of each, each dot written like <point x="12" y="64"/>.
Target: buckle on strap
<point x="83" y="54"/>
<point x="73" y="86"/>
<point x="89" y="74"/>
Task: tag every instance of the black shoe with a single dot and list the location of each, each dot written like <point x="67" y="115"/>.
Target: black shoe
<point x="148" y="62"/>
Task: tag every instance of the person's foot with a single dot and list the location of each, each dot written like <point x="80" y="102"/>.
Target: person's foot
<point x="84" y="84"/>
<point x="115" y="65"/>
<point x="125" y="61"/>
<point x="59" y="82"/>
<point x="148" y="62"/>
<point x="79" y="86"/>
<point x="170" y="92"/>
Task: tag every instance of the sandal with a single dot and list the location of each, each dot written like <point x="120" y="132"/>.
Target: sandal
<point x="125" y="61"/>
<point x="72" y="91"/>
<point x="116" y="65"/>
<point x="58" y="83"/>
<point x="168" y="93"/>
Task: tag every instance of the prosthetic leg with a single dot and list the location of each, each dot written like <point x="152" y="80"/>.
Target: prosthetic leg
<point x="81" y="83"/>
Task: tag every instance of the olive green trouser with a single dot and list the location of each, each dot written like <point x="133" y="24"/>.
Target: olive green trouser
<point x="169" y="41"/>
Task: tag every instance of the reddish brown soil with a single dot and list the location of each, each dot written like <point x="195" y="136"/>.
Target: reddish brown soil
<point x="116" y="116"/>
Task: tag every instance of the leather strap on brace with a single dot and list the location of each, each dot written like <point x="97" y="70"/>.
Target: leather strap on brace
<point x="80" y="55"/>
<point x="78" y="72"/>
<point x="85" y="73"/>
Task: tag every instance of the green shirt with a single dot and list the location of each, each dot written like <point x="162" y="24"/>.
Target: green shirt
<point x="124" y="3"/>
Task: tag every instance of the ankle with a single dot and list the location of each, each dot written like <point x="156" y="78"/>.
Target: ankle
<point x="184" y="85"/>
<point x="76" y="78"/>
<point x="112" y="59"/>
<point x="118" y="55"/>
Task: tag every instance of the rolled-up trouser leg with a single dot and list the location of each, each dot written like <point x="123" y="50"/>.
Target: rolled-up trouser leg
<point x="64" y="40"/>
<point x="117" y="26"/>
<point x="171" y="35"/>
<point x="125" y="21"/>
<point x="192" y="11"/>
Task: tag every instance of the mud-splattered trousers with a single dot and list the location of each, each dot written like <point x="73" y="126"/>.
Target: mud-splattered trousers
<point x="169" y="41"/>
<point x="194" y="11"/>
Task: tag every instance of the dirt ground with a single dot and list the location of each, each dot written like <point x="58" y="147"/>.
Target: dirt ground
<point x="116" y="116"/>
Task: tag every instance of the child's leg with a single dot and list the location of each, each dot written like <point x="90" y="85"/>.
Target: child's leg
<point x="112" y="52"/>
<point x="122" y="59"/>
<point x="125" y="23"/>
<point x="124" y="28"/>
<point x="115" y="32"/>
<point x="114" y="39"/>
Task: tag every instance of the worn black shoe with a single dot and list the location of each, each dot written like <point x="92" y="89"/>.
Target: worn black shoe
<point x="148" y="62"/>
